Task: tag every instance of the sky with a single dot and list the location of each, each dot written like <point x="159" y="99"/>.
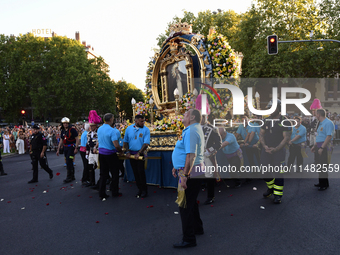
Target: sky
<point x="122" y="32"/>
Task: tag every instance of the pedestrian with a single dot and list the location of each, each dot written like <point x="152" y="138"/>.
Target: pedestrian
<point x="323" y="147"/>
<point x="297" y="144"/>
<point x="20" y="144"/>
<point x="274" y="136"/>
<point x="108" y="147"/>
<point x="6" y="142"/>
<point x="92" y="142"/>
<point x="136" y="141"/>
<point x="83" y="141"/>
<point x="70" y="141"/>
<point x="38" y="154"/>
<point x="188" y="162"/>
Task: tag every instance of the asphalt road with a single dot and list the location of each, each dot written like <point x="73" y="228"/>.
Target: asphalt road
<point x="70" y="219"/>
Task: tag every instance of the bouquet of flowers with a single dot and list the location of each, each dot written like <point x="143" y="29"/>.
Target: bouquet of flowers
<point x="187" y="101"/>
<point x="165" y="124"/>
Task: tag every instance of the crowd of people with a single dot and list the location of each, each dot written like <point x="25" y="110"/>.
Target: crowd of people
<point x="102" y="147"/>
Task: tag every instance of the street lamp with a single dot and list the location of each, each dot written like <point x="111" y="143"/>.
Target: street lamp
<point x="151" y="107"/>
<point x="176" y="94"/>
<point x="133" y="102"/>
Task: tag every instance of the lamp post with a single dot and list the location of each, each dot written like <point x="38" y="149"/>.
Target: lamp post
<point x="133" y="102"/>
<point x="151" y="107"/>
<point x="257" y="99"/>
<point x="176" y="94"/>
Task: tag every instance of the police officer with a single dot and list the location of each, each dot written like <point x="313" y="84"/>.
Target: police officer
<point x="274" y="136"/>
<point x="38" y="153"/>
<point x="70" y="140"/>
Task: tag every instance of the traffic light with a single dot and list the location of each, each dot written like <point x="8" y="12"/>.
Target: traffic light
<point x="272" y="44"/>
<point x="23" y="114"/>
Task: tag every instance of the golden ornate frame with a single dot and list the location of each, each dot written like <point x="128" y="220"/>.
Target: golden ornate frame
<point x="175" y="53"/>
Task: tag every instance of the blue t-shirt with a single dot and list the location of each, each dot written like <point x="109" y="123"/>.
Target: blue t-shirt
<point x="136" y="137"/>
<point x="256" y="137"/>
<point x="233" y="146"/>
<point x="242" y="131"/>
<point x="301" y="131"/>
<point x="83" y="139"/>
<point x="121" y="142"/>
<point x="192" y="142"/>
<point x="106" y="136"/>
<point x="326" y="127"/>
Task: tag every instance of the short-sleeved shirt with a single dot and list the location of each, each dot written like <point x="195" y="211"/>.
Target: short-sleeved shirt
<point x="274" y="132"/>
<point x="326" y="128"/>
<point x="38" y="141"/>
<point x="136" y="137"/>
<point x="106" y="136"/>
<point x="69" y="136"/>
<point x="233" y="146"/>
<point x="256" y="137"/>
<point x="83" y="139"/>
<point x="192" y="142"/>
<point x="242" y="131"/>
<point x="301" y="131"/>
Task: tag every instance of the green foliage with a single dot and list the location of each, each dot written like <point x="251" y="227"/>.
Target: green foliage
<point x="53" y="76"/>
<point x="124" y="93"/>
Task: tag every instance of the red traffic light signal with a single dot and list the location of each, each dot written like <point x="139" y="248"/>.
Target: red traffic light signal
<point x="23" y="111"/>
<point x="272" y="44"/>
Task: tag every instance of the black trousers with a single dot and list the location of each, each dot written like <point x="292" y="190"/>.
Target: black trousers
<point x="210" y="187"/>
<point x="322" y="159"/>
<point x="295" y="153"/>
<point x="35" y="156"/>
<point x="1" y="166"/>
<point x="108" y="164"/>
<point x="92" y="175"/>
<point x="139" y="173"/>
<point x="86" y="176"/>
<point x="235" y="161"/>
<point x="190" y="216"/>
<point x="69" y="156"/>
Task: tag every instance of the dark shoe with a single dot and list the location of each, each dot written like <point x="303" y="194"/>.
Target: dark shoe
<point x="89" y="184"/>
<point x="32" y="181"/>
<point x="144" y="194"/>
<point x="105" y="196"/>
<point x="3" y="174"/>
<point x="268" y="193"/>
<point x="138" y="194"/>
<point x="198" y="233"/>
<point x="121" y="174"/>
<point x="117" y="195"/>
<point x="184" y="244"/>
<point x="209" y="201"/>
<point x="68" y="180"/>
<point x="73" y="178"/>
<point x="51" y="174"/>
<point x="277" y="199"/>
<point x="322" y="188"/>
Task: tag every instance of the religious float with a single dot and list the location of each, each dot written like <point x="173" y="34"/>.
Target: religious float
<point x="187" y="65"/>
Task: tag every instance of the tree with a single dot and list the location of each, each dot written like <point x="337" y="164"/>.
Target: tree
<point x="124" y="93"/>
<point x="53" y="77"/>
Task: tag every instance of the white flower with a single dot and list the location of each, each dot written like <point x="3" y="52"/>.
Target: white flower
<point x="225" y="105"/>
<point x="218" y="106"/>
<point x="220" y="48"/>
<point x="217" y="64"/>
<point x="223" y="64"/>
<point x="222" y="76"/>
<point x="209" y="45"/>
<point x="212" y="50"/>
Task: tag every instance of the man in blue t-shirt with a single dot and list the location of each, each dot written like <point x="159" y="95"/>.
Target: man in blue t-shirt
<point x="108" y="147"/>
<point x="323" y="148"/>
<point x="136" y="141"/>
<point x="297" y="143"/>
<point x="187" y="159"/>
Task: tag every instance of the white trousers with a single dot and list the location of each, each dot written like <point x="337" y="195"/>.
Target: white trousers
<point x="6" y="146"/>
<point x="20" y="146"/>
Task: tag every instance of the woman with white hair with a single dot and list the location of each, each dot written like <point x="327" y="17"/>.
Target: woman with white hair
<point x="83" y="142"/>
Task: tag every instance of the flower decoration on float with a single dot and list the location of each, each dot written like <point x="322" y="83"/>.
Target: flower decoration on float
<point x="167" y="124"/>
<point x="123" y="128"/>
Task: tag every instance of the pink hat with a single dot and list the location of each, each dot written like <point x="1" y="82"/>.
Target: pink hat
<point x="94" y="118"/>
<point x="199" y="104"/>
<point x="316" y="104"/>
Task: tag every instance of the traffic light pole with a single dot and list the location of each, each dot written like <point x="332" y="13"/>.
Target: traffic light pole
<point x="321" y="40"/>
